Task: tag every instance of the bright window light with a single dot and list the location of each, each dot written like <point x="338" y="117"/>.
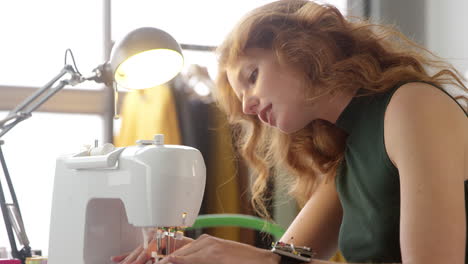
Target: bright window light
<point x="30" y="151"/>
<point x="203" y="22"/>
<point x="189" y="22"/>
<point x="35" y="35"/>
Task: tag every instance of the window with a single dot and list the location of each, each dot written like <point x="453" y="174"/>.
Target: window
<point x="35" y="35"/>
<point x="30" y="151"/>
<point x="204" y="22"/>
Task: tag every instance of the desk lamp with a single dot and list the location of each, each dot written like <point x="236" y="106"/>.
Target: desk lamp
<point x="144" y="58"/>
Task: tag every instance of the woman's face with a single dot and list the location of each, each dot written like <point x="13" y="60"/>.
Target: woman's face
<point x="273" y="92"/>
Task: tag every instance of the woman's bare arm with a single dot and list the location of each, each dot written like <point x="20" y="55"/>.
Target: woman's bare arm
<point x="317" y="225"/>
<point x="426" y="138"/>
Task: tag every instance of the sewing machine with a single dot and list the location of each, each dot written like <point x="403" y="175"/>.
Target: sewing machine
<point x="104" y="195"/>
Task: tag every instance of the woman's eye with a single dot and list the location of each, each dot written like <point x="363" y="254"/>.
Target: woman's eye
<point x="253" y="76"/>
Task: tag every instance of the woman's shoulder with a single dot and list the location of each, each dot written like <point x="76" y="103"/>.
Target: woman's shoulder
<point x="417" y="97"/>
<point x="419" y="113"/>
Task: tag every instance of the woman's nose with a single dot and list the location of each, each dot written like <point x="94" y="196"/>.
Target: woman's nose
<point x="250" y="105"/>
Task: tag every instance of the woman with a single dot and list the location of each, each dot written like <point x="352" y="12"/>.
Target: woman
<point x="376" y="150"/>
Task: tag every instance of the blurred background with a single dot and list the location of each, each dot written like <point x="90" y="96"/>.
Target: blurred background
<point x="35" y="35"/>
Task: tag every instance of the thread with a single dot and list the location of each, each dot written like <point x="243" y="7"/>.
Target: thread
<point x="116" y="101"/>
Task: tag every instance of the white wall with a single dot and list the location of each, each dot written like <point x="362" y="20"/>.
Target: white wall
<point x="447" y="30"/>
<point x="440" y="25"/>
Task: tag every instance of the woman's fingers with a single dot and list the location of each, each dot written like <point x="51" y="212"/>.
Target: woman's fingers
<point x="119" y="258"/>
<point x="132" y="256"/>
<point x="175" y="244"/>
<point x="185" y="241"/>
<point x="195" y="258"/>
<point x="179" y="243"/>
<point x="182" y="260"/>
<point x="142" y="258"/>
<point x="192" y="248"/>
<point x="140" y="255"/>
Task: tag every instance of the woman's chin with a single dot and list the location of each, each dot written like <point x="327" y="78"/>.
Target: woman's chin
<point x="287" y="129"/>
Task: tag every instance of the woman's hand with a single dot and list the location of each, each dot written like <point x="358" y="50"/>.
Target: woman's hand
<point x="140" y="256"/>
<point x="211" y="250"/>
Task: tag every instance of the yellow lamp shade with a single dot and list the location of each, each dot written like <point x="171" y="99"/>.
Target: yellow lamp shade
<point x="144" y="58"/>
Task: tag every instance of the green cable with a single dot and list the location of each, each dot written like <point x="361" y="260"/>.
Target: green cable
<point x="238" y="220"/>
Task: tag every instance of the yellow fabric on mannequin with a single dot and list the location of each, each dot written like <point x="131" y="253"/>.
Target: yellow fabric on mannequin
<point x="148" y="112"/>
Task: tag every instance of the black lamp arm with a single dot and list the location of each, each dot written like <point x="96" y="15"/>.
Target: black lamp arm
<point x="4" y="209"/>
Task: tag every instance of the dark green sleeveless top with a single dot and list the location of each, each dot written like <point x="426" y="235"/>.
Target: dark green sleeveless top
<point x="368" y="185"/>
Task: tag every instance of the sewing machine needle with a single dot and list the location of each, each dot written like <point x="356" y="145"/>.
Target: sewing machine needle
<point x="168" y="245"/>
<point x="158" y="241"/>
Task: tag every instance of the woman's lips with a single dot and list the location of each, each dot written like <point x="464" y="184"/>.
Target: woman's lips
<point x="266" y="115"/>
<point x="271" y="118"/>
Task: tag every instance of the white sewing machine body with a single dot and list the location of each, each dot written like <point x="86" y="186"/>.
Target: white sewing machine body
<point x="99" y="201"/>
